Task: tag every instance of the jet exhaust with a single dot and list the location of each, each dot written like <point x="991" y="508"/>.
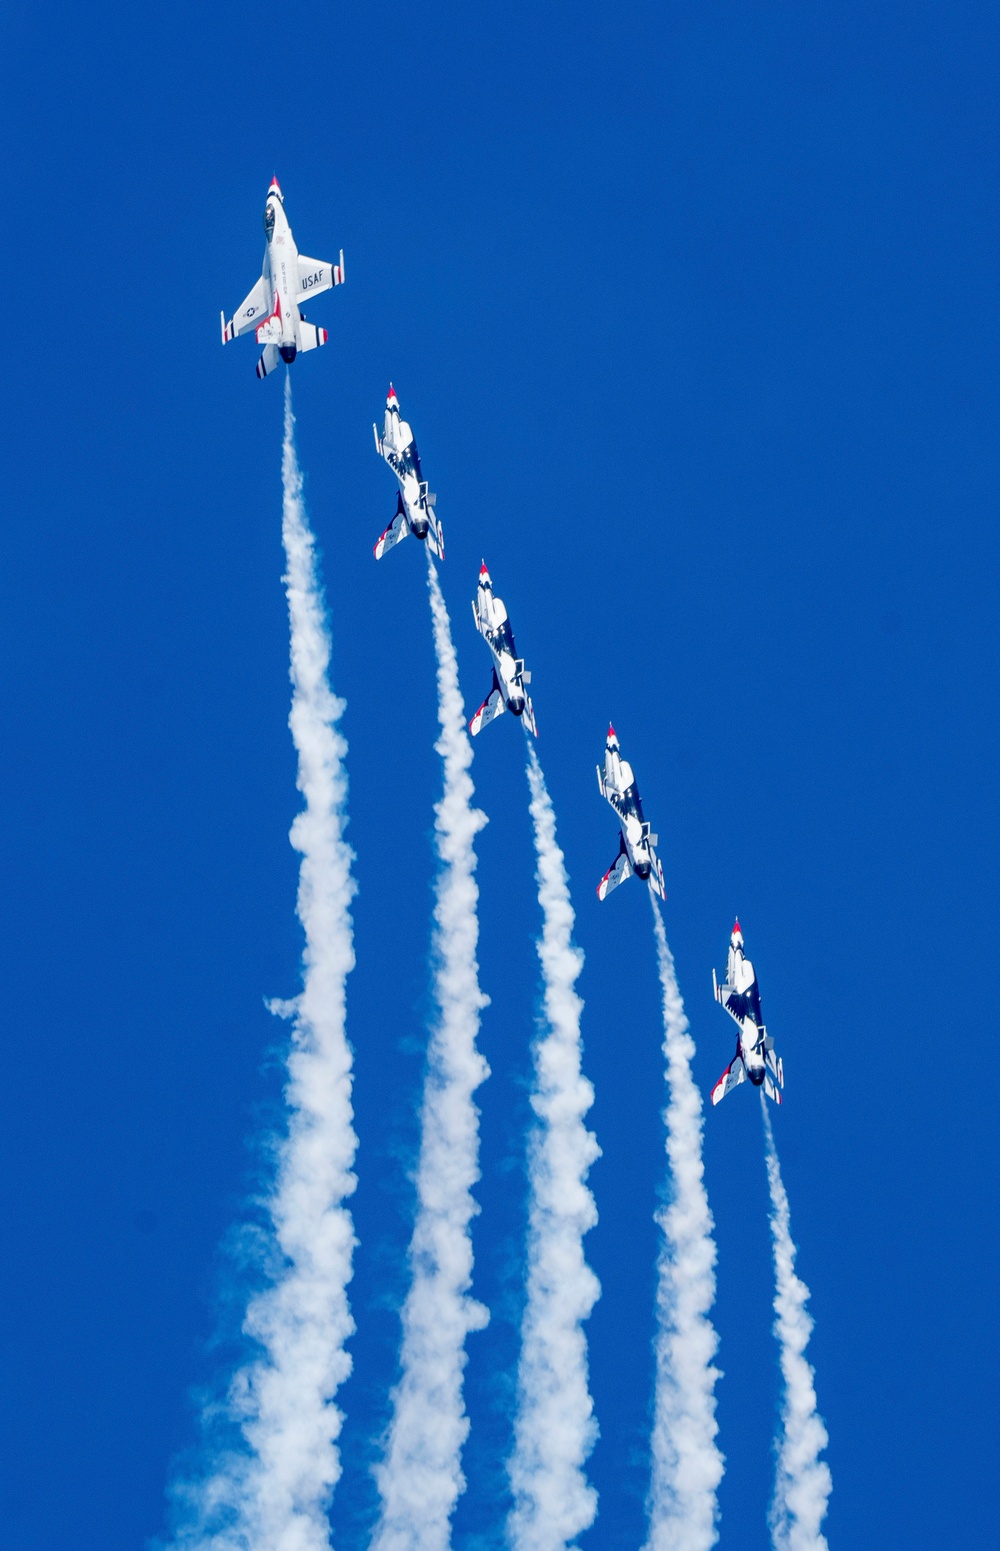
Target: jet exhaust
<point x="274" y="1487"/>
<point x="802" y="1482"/>
<point x="686" y="1461"/>
<point x="420" y="1477"/>
<point x="555" y="1430"/>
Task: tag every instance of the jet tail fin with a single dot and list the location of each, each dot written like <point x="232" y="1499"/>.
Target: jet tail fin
<point x="492" y="707"/>
<point x="616" y="874"/>
<point x="269" y="358"/>
<point x="731" y="1078"/>
<point x="395" y="532"/>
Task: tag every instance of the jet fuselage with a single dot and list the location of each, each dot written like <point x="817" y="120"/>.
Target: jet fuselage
<point x="281" y="266"/>
<point x="494" y="627"/>
<point x="755" y="1057"/>
<point x="399" y="449"/>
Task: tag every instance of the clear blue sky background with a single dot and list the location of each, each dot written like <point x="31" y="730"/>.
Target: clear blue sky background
<point x="694" y="312"/>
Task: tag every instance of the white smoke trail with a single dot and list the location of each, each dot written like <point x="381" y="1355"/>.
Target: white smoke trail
<point x="686" y="1462"/>
<point x="274" y="1494"/>
<point x="421" y="1477"/>
<point x="555" y="1429"/>
<point x="802" y="1481"/>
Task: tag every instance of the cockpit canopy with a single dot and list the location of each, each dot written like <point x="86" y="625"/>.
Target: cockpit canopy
<point x="269" y="221"/>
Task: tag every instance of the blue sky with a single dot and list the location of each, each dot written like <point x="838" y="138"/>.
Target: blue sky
<point x="695" y="317"/>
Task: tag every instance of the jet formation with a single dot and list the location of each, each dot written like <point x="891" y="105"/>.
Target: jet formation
<point x="754" y="1056"/>
<point x="272" y="308"/>
<point x="273" y="312"/>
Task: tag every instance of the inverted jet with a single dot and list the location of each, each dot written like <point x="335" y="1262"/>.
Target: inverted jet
<point x="414" y="503"/>
<point x="509" y="676"/>
<point x="272" y="310"/>
<point x="636" y="853"/>
<point x="755" y="1057"/>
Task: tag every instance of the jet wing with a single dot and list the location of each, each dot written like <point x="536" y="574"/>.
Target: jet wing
<point x="491" y="708"/>
<point x="621" y="870"/>
<point x="397" y="530"/>
<point x="731" y="1078"/>
<point x="249" y="313"/>
<point x="315" y="276"/>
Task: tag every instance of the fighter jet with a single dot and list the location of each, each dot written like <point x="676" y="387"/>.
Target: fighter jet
<point x="509" y="676"/>
<point x="272" y="308"/>
<point x="636" y="855"/>
<point x="754" y="1056"/>
<point x="414" y="503"/>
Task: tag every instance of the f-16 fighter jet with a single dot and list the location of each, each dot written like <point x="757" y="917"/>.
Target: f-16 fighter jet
<point x="754" y="1056"/>
<point x="414" y="503"/>
<point x="272" y="308"/>
<point x="636" y="855"/>
<point x="509" y="676"/>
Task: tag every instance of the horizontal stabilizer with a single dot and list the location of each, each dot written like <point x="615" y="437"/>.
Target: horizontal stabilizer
<point x="395" y="532"/>
<point x="435" y="535"/>
<point x="621" y="870"/>
<point x="310" y="337"/>
<point x="492" y="707"/>
<point x="771" y="1089"/>
<point x="731" y="1078"/>
<point x="528" y="715"/>
<point x="270" y="356"/>
<point x="656" y="878"/>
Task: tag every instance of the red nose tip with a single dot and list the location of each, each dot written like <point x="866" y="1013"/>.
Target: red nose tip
<point x="737" y="927"/>
<point x="392" y="392"/>
<point x="482" y="569"/>
<point x="611" y="731"/>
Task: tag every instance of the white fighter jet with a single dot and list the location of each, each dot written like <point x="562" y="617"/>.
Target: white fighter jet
<point x="272" y="308"/>
<point x="755" y="1057"/>
<point x="509" y="676"/>
<point x="617" y="783"/>
<point x="414" y="503"/>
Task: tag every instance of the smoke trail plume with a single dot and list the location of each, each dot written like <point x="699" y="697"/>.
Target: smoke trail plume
<point x="686" y="1462"/>
<point x="555" y="1429"/>
<point x="274" y="1491"/>
<point x="420" y="1478"/>
<point x="802" y="1481"/>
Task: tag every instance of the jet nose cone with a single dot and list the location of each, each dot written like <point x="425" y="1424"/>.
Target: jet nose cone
<point x="737" y="928"/>
<point x="275" y="188"/>
<point x="390" y="397"/>
<point x="483" y="572"/>
<point x="611" y="731"/>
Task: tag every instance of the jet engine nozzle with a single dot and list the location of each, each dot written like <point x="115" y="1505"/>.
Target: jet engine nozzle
<point x="516" y="705"/>
<point x="756" y="1075"/>
<point x="287" y="353"/>
<point x="420" y="526"/>
<point x="643" y="869"/>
